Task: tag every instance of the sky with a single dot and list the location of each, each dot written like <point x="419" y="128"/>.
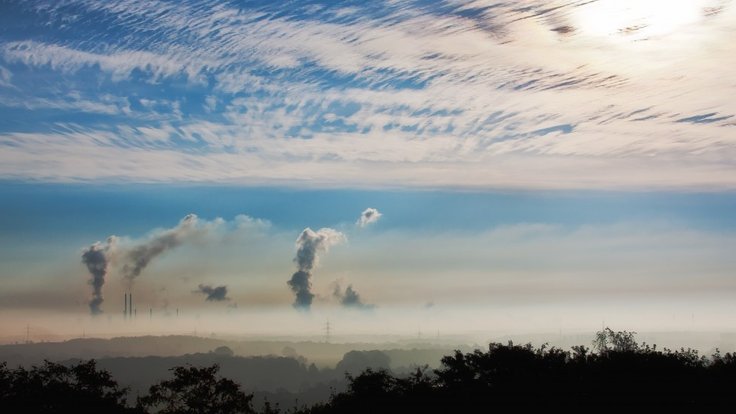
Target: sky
<point x="532" y="165"/>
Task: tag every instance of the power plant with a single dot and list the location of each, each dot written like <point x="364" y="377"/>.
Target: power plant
<point x="129" y="312"/>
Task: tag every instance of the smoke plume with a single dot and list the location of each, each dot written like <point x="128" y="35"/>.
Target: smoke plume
<point x="138" y="257"/>
<point x="308" y="246"/>
<point x="97" y="259"/>
<point x="213" y="294"/>
<point x="350" y="298"/>
<point x="369" y="216"/>
<point x="135" y="255"/>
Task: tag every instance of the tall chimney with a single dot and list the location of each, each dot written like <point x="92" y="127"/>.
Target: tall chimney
<point x="130" y="305"/>
<point x="125" y="308"/>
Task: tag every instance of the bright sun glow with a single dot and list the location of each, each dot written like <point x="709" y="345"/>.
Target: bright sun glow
<point x="631" y="20"/>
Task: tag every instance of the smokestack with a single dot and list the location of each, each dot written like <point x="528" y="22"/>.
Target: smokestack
<point x="130" y="305"/>
<point x="125" y="306"/>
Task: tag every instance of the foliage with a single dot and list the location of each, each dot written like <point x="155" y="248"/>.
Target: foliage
<point x="621" y="374"/>
<point x="621" y="341"/>
<point x="197" y="390"/>
<point x="56" y="388"/>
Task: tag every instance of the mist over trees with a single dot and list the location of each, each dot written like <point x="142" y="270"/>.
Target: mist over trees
<point x="617" y="372"/>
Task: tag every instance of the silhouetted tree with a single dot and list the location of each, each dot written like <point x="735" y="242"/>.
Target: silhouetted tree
<point x="56" y="388"/>
<point x="521" y="377"/>
<point x="623" y="374"/>
<point x="197" y="390"/>
<point x="621" y="341"/>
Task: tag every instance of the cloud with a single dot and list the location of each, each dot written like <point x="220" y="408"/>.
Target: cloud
<point x="244" y="222"/>
<point x="350" y="298"/>
<point x="369" y="216"/>
<point x="119" y="65"/>
<point x="213" y="294"/>
<point x="309" y="245"/>
<point x="28" y="155"/>
<point x="461" y="96"/>
<point x="109" y="105"/>
<point x="6" y="77"/>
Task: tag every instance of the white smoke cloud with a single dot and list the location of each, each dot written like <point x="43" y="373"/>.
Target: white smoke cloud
<point x="369" y="216"/>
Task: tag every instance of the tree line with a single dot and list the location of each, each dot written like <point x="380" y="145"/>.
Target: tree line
<point x="617" y="372"/>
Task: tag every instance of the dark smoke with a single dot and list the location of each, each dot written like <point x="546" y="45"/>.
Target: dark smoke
<point x="350" y="298"/>
<point x="301" y="285"/>
<point x="96" y="258"/>
<point x="308" y="245"/>
<point x="140" y="256"/>
<point x="214" y="294"/>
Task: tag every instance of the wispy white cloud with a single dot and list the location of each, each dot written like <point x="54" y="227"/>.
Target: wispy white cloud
<point x="98" y="155"/>
<point x="65" y="59"/>
<point x="5" y="77"/>
<point x="110" y="106"/>
<point x="514" y="95"/>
